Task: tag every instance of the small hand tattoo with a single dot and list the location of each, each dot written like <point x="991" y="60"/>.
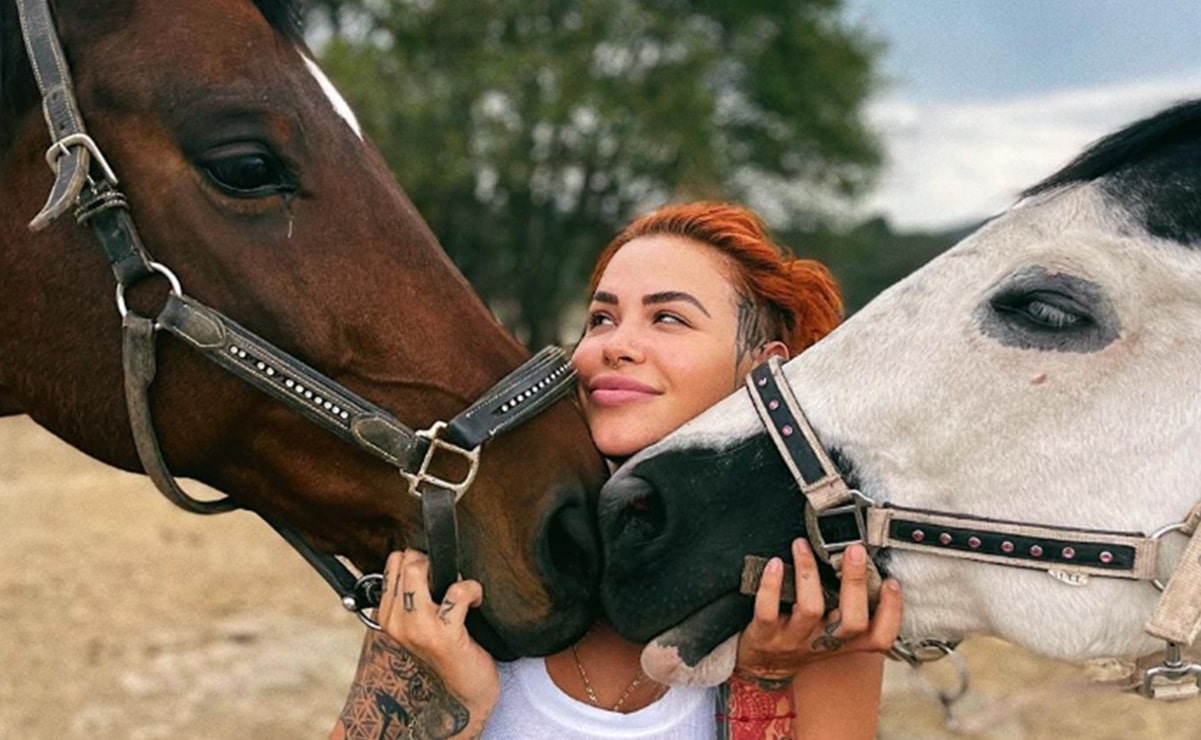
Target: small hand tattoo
<point x="826" y="641"/>
<point x="408" y="601"/>
<point x="444" y="612"/>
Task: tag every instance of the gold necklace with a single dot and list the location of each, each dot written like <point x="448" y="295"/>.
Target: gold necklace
<point x="588" y="684"/>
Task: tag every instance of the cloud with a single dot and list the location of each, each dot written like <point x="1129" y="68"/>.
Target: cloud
<point x="952" y="163"/>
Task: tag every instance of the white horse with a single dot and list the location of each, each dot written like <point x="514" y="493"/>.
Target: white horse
<point x="1046" y="370"/>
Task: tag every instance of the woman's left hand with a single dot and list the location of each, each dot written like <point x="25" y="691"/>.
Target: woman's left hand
<point x="774" y="646"/>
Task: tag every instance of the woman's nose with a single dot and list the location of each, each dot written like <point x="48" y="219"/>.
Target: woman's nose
<point x="622" y="345"/>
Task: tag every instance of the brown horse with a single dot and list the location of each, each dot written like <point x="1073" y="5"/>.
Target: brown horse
<point x="246" y="173"/>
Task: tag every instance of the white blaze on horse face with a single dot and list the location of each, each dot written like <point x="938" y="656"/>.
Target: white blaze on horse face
<point x="340" y="105"/>
<point x="934" y="411"/>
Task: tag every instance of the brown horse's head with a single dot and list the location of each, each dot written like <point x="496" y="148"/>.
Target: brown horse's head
<point x="250" y="178"/>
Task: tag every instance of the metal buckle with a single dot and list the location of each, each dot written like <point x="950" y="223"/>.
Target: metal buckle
<point x="1173" y="679"/>
<point x="817" y="538"/>
<point x="60" y="147"/>
<point x="422" y="476"/>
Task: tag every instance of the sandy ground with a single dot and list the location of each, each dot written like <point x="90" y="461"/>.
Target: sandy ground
<point x="121" y="617"/>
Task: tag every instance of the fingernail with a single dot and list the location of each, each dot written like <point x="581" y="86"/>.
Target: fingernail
<point x="801" y="545"/>
<point x="892" y="585"/>
<point x="774" y="566"/>
<point x="855" y="554"/>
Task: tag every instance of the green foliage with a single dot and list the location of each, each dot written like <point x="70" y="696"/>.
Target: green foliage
<point x="870" y="257"/>
<point x="528" y="131"/>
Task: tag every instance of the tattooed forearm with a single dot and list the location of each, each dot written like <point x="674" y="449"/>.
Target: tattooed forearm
<point x="394" y="697"/>
<point x="442" y="718"/>
<point x="390" y="688"/>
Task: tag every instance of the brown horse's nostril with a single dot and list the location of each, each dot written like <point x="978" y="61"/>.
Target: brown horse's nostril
<point x="573" y="549"/>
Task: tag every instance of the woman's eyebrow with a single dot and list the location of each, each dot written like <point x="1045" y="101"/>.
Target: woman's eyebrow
<point x="669" y="296"/>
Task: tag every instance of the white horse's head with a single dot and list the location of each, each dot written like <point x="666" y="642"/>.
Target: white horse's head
<point x="1047" y="369"/>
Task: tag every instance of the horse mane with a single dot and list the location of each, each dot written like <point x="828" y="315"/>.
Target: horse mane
<point x="285" y="16"/>
<point x="1152" y="168"/>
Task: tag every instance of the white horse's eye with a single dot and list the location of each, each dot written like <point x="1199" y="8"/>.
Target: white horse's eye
<point x="1042" y="310"/>
<point x="1052" y="316"/>
<point x="1039" y="309"/>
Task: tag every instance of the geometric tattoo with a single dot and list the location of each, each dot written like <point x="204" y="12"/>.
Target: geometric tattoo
<point x="395" y="696"/>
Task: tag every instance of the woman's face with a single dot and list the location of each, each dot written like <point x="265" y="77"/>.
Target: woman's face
<point x="661" y="343"/>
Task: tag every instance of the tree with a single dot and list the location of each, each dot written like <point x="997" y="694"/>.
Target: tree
<point x="528" y="131"/>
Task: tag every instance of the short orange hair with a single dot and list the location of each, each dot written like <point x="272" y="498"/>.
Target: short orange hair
<point x="797" y="299"/>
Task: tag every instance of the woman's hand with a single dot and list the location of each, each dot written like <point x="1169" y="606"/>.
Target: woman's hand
<point x="774" y="646"/>
<point x="436" y="635"/>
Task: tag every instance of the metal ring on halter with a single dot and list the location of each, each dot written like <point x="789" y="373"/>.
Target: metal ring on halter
<point x="60" y="147"/>
<point x="925" y="650"/>
<point x="161" y="269"/>
<point x="1158" y="534"/>
<point x="948" y="698"/>
<point x="368" y="588"/>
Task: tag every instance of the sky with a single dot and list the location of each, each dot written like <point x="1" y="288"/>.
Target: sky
<point x="986" y="97"/>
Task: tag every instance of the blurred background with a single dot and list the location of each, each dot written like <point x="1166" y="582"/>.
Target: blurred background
<point x="872" y="134"/>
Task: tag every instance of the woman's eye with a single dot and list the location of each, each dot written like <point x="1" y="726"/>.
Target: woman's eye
<point x="665" y="317"/>
<point x="598" y="319"/>
<point x="247" y="172"/>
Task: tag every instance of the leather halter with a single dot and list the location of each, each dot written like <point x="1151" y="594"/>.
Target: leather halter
<point x="836" y="516"/>
<point x="76" y="158"/>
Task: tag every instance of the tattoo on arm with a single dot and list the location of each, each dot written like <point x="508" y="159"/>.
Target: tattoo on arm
<point x="444" y="717"/>
<point x="394" y="697"/>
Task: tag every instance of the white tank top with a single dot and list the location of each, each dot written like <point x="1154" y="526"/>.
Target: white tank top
<point x="532" y="707"/>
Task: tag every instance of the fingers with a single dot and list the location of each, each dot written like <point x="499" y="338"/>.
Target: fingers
<point x="767" y="598"/>
<point x="886" y="622"/>
<point x="852" y="592"/>
<point x="810" y="601"/>
<point x="407" y="612"/>
<point x="459" y="598"/>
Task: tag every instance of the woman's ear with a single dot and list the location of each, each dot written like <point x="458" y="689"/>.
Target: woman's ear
<point x="774" y="348"/>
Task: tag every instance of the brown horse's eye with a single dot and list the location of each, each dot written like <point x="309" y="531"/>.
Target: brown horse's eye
<point x="247" y="172"/>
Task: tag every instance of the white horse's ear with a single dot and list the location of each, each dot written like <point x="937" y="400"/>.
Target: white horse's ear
<point x="662" y="663"/>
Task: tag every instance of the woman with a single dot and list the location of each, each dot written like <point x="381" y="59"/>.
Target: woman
<point x="684" y="302"/>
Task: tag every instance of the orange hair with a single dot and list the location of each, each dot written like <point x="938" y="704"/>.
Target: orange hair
<point x="797" y="299"/>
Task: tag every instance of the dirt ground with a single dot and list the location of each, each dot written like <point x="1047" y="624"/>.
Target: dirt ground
<point x="121" y="617"/>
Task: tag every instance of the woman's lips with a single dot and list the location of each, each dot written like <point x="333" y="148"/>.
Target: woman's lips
<point x="612" y="390"/>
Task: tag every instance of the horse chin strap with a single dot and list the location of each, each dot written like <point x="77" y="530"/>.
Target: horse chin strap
<point x="837" y="516"/>
<point x="84" y="179"/>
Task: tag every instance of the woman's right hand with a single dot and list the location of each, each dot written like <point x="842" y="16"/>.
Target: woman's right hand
<point x="436" y="634"/>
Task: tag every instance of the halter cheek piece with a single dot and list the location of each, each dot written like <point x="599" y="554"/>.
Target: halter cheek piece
<point x="74" y="156"/>
<point x="836" y="516"/>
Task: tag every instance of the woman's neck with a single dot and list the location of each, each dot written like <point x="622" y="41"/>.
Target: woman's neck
<point x="604" y="669"/>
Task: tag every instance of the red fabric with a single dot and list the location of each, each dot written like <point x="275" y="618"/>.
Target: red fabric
<point x="754" y="713"/>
